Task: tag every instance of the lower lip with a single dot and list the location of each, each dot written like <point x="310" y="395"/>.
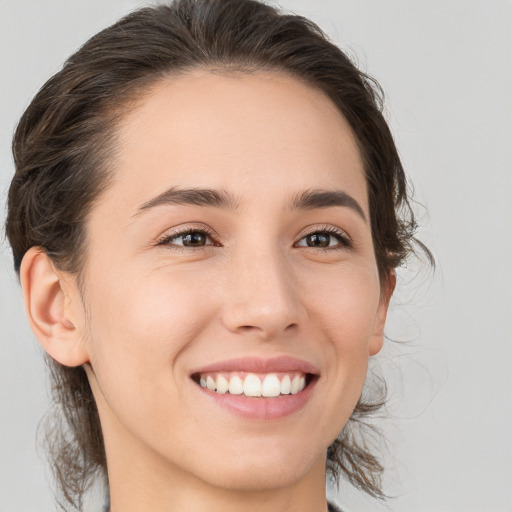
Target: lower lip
<point x="259" y="408"/>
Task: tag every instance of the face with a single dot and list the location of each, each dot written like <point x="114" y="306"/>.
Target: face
<point x="231" y="256"/>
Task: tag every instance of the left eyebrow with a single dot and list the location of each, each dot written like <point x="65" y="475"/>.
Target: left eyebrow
<point x="190" y="196"/>
<point x="311" y="199"/>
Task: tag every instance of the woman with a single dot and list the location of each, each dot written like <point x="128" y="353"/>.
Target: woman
<point x="206" y="216"/>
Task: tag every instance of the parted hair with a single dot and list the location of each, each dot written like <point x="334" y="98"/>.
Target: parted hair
<point x="64" y="152"/>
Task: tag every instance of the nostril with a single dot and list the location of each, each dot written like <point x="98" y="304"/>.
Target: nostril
<point x="255" y="328"/>
<point x="249" y="328"/>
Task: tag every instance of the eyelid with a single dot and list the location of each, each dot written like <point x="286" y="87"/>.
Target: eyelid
<point x="165" y="239"/>
<point x="344" y="243"/>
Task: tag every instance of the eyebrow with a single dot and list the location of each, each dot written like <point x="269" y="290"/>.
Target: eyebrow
<point x="311" y="199"/>
<point x="307" y="200"/>
<point x="191" y="196"/>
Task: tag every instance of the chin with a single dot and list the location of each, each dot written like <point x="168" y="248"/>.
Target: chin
<point x="264" y="471"/>
<point x="257" y="479"/>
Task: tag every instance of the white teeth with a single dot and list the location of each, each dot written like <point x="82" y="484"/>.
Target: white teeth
<point x="295" y="387"/>
<point x="286" y="385"/>
<point x="210" y="383"/>
<point x="252" y="385"/>
<point x="271" y="386"/>
<point x="236" y="385"/>
<point x="222" y="384"/>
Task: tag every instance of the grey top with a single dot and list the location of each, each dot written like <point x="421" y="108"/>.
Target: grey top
<point x="330" y="506"/>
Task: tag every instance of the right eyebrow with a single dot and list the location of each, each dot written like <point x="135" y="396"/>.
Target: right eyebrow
<point x="190" y="196"/>
<point x="311" y="199"/>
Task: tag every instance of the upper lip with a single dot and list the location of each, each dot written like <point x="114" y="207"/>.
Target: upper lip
<point x="260" y="365"/>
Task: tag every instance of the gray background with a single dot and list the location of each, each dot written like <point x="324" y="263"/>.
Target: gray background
<point x="446" y="67"/>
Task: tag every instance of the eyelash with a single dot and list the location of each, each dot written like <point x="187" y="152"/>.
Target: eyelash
<point x="344" y="240"/>
<point x="168" y="239"/>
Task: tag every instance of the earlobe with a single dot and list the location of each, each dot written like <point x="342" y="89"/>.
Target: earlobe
<point x="47" y="299"/>
<point x="377" y="340"/>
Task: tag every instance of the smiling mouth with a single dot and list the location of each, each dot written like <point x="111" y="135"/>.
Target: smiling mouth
<point x="254" y="385"/>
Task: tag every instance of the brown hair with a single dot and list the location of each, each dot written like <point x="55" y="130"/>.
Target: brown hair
<point x="66" y="139"/>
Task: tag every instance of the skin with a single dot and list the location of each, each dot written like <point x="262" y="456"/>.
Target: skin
<point x="152" y="310"/>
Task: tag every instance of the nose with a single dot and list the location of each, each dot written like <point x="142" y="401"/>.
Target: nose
<point x="261" y="296"/>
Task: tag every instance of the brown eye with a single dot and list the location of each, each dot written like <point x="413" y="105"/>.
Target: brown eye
<point x="194" y="239"/>
<point x="325" y="240"/>
<point x="318" y="240"/>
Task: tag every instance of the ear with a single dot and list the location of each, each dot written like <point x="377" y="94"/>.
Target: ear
<point x="52" y="304"/>
<point x="377" y="339"/>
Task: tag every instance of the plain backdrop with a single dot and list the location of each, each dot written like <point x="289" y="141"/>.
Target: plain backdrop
<point x="446" y="68"/>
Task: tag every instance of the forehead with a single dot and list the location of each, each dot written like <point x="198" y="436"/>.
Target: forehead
<point x="206" y="129"/>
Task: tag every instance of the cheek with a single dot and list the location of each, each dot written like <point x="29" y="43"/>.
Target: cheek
<point x="345" y="315"/>
<point x="139" y="326"/>
<point x="346" y="305"/>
